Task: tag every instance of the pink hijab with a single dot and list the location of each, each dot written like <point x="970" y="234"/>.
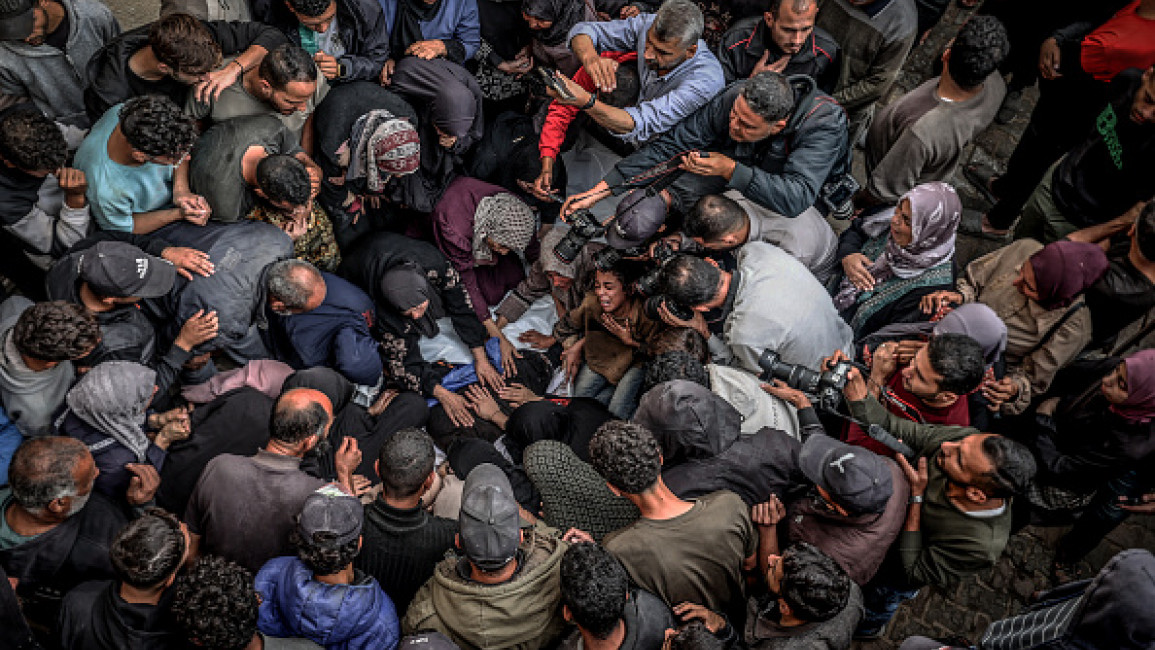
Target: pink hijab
<point x="1140" y="403"/>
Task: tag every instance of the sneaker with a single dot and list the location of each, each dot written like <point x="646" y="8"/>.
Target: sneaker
<point x="1012" y="106"/>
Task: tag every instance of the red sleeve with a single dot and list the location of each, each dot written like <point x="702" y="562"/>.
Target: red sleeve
<point x="558" y="119"/>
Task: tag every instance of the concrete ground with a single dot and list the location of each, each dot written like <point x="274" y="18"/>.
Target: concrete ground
<point x="1025" y="566"/>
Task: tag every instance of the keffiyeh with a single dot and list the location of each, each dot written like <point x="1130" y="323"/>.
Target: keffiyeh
<point x="505" y="219"/>
<point x="382" y="145"/>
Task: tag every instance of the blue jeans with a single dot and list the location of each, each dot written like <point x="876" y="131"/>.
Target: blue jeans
<point x="881" y="600"/>
<point x="622" y="400"/>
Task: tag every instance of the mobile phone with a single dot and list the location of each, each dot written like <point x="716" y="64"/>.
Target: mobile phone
<point x="549" y="78"/>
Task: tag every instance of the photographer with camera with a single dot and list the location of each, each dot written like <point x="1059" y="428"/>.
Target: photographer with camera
<point x="931" y="389"/>
<point x="959" y="515"/>
<point x="779" y="142"/>
<point x="769" y="301"/>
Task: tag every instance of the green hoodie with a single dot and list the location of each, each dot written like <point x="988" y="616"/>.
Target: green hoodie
<point x="522" y="614"/>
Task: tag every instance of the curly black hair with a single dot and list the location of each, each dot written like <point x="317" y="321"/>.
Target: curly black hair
<point x="322" y="554"/>
<point x="814" y="586"/>
<point x="978" y="49"/>
<point x="310" y="8"/>
<point x="149" y="549"/>
<point x="595" y="587"/>
<point x="215" y="604"/>
<point x="156" y="126"/>
<point x="675" y="364"/>
<point x="56" y="331"/>
<point x="31" y="141"/>
<point x="626" y="455"/>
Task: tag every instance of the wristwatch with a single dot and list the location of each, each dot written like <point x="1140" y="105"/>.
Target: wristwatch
<point x="917" y="498"/>
<point x="590" y="104"/>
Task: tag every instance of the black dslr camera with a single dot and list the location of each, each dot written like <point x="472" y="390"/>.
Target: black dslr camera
<point x="584" y="226"/>
<point x="648" y="285"/>
<point x="826" y="385"/>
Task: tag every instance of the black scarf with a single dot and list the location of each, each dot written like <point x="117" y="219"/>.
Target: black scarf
<point x="407" y="24"/>
<point x="564" y="14"/>
<point x="404" y="287"/>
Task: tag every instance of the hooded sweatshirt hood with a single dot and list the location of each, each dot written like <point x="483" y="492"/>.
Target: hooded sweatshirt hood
<point x="688" y="421"/>
<point x="523" y="613"/>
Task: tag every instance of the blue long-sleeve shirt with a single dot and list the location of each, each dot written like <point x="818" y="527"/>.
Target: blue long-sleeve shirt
<point x="335" y="334"/>
<point x="457" y="20"/>
<point x="664" y="99"/>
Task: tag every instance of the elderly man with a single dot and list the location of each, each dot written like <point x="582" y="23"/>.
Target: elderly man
<point x="319" y="319"/>
<point x="54" y="532"/>
<point x="678" y="72"/>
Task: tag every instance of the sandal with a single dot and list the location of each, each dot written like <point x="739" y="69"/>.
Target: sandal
<point x="981" y="176"/>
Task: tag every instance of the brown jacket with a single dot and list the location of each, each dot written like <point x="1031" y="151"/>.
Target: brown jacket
<point x="859" y="544"/>
<point x="605" y="353"/>
<point x="989" y="280"/>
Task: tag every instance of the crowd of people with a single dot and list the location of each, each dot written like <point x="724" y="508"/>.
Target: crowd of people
<point x="376" y="324"/>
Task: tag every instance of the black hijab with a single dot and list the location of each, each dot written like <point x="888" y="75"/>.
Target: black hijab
<point x="564" y="14"/>
<point x="404" y="287"/>
<point x="407" y="24"/>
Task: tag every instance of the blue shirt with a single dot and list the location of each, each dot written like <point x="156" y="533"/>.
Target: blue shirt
<point x="456" y="19"/>
<point x="115" y="191"/>
<point x="664" y="99"/>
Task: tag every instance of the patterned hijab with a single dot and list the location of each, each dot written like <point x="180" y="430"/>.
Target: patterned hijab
<point x="382" y="146"/>
<point x="935" y="211"/>
<point x="505" y="219"/>
<point x="1065" y="269"/>
<point x="1140" y="403"/>
<point x="113" y="398"/>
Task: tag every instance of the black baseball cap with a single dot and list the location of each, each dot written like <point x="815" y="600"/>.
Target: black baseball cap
<point x="857" y="478"/>
<point x="331" y="510"/>
<point x="639" y="217"/>
<point x="121" y="270"/>
<point x="17" y="19"/>
<point x="489" y="523"/>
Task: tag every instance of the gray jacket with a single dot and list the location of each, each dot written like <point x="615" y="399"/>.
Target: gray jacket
<point x="30" y="398"/>
<point x="52" y="79"/>
<point x="778" y="304"/>
<point x="763" y="633"/>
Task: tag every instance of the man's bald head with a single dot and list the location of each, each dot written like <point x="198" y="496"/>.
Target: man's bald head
<point x="294" y="287"/>
<point x="300" y="413"/>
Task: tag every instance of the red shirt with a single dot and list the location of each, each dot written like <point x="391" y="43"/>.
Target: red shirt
<point x="957" y="414"/>
<point x="1127" y="40"/>
<point x="558" y="119"/>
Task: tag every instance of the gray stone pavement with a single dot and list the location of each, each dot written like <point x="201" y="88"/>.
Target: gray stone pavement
<point x="1025" y="566"/>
